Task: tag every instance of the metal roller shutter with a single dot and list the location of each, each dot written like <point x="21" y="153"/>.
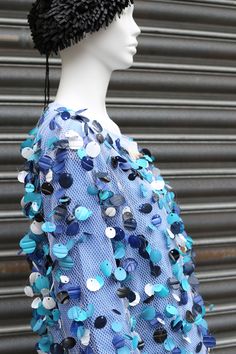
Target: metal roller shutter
<point x="179" y="98"/>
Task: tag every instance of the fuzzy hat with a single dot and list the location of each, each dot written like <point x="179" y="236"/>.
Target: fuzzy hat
<point x="58" y="24"/>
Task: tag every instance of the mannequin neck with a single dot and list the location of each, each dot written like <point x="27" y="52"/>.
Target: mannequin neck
<point x="83" y="84"/>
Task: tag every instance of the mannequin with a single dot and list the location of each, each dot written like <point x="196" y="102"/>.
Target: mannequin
<point x="87" y="66"/>
<point x="112" y="265"/>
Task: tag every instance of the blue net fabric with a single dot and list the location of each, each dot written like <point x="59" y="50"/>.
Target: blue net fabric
<point x="112" y="264"/>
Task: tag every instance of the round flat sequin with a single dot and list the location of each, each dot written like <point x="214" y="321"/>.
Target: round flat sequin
<point x="106" y="268"/>
<point x="134" y="301"/>
<point x="28" y="291"/>
<point x="65" y="114"/>
<point x="145" y="208"/>
<point x="73" y="228"/>
<point x="65" y="180"/>
<point x="116" y="326"/>
<point x="160" y="290"/>
<point x="21" y="176"/>
<point x="93" y="149"/>
<point x="169" y="344"/>
<point x="27" y="244"/>
<point x="87" y="163"/>
<point x="209" y="341"/>
<point x="158" y="184"/>
<point x="189" y="316"/>
<point x="155" y="255"/>
<point x="56" y="348"/>
<point x="82" y="213"/>
<point x="199" y="347"/>
<point x="148" y="313"/>
<point x="48" y="226"/>
<point x="129" y="265"/>
<point x="120" y="273"/>
<point x="170" y="311"/>
<point x="68" y="343"/>
<point x="63" y="297"/>
<point x="49" y="176"/>
<point x="27" y="152"/>
<point x="36" y="227"/>
<point x="93" y="284"/>
<point x="75" y="140"/>
<point x="33" y="277"/>
<point x="117" y="200"/>
<point x="159" y="335"/>
<point x="174" y="255"/>
<point x="49" y="303"/>
<point x="110" y="232"/>
<point x="118" y="341"/>
<point x="110" y="211"/>
<point x="134" y="241"/>
<point x="45" y="162"/>
<point x="36" y="303"/>
<point x="149" y="289"/>
<point x="123" y="350"/>
<point x="100" y="322"/>
<point x="77" y="313"/>
<point x="59" y="250"/>
<point x="156" y="220"/>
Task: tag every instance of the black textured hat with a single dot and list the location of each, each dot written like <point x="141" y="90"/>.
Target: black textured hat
<point x="57" y="24"/>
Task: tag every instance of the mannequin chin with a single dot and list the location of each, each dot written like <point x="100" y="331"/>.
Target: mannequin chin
<point x="87" y="65"/>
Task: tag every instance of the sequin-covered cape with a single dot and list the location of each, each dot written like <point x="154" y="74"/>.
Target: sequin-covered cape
<point x="112" y="265"/>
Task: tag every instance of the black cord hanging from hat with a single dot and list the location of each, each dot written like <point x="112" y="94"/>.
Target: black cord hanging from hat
<point x="46" y="84"/>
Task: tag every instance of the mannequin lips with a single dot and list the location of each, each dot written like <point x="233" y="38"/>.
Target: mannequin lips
<point x="132" y="48"/>
<point x="133" y="44"/>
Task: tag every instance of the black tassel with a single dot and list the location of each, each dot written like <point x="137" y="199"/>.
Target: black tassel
<point x="46" y="84"/>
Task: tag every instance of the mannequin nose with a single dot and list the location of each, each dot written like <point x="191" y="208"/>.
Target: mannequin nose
<point x="137" y="30"/>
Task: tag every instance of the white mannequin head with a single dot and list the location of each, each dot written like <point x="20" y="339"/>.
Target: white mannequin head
<point x="109" y="45"/>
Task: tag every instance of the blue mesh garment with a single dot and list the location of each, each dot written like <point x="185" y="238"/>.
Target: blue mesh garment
<point x="112" y="268"/>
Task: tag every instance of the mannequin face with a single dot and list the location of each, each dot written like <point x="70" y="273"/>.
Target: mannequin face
<point x="114" y="45"/>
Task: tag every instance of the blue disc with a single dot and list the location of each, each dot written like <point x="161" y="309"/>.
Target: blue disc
<point x="59" y="250"/>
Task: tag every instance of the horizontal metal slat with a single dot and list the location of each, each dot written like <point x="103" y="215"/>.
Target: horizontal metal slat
<point x="218" y="290"/>
<point x="165" y="11"/>
<point x="137" y="102"/>
<point x="17" y="5"/>
<point x="15" y="310"/>
<point x="222" y="323"/>
<point x="187" y="12"/>
<point x="18" y="344"/>
<point x="186" y="50"/>
<point x="19" y="118"/>
<point x="150" y="84"/>
<point x="24" y="60"/>
<point x="210" y="2"/>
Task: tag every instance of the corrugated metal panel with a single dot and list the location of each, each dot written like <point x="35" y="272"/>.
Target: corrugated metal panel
<point x="180" y="95"/>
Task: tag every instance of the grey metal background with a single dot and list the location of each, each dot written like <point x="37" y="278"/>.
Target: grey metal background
<point x="179" y="99"/>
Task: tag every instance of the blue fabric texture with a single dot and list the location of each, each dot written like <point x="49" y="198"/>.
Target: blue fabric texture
<point x="112" y="264"/>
